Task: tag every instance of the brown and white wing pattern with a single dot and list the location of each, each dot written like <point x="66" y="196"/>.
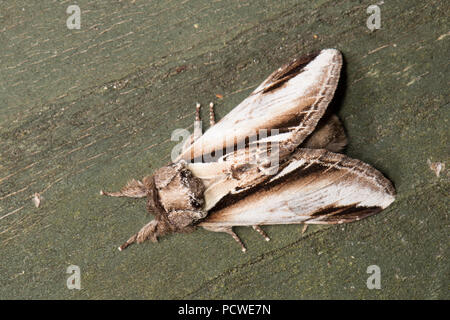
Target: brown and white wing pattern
<point x="245" y="168"/>
<point x="292" y="100"/>
<point x="315" y="187"/>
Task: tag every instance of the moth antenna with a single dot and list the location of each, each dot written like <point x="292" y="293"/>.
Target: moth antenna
<point x="261" y="232"/>
<point x="304" y="228"/>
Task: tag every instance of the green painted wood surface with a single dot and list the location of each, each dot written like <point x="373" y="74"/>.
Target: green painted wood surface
<point x="84" y="110"/>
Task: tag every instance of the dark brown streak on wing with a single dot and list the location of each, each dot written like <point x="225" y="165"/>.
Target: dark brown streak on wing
<point x="288" y="71"/>
<point x="341" y="214"/>
<point x="344" y="214"/>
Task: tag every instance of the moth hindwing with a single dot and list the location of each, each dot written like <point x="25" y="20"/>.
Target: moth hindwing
<point x="274" y="159"/>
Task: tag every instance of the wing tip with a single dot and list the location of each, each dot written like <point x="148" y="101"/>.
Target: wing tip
<point x="331" y="52"/>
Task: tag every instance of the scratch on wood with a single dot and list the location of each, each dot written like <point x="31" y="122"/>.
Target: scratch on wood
<point x="378" y="49"/>
<point x="14" y="173"/>
<point x="12" y="212"/>
<point x="443" y="36"/>
<point x="13" y="193"/>
<point x="82" y="147"/>
<point x="93" y="157"/>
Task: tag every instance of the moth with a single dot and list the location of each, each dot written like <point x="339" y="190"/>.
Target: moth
<point x="274" y="159"/>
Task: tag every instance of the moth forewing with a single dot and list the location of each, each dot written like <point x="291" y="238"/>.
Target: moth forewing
<point x="315" y="187"/>
<point x="290" y="102"/>
<point x="295" y="96"/>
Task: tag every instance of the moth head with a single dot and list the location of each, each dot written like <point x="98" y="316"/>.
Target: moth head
<point x="177" y="188"/>
<point x="175" y="197"/>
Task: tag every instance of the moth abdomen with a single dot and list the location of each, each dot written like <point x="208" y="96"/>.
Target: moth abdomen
<point x="329" y="134"/>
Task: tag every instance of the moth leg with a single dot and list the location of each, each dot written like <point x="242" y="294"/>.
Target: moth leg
<point x="236" y="237"/>
<point x="197" y="129"/>
<point x="148" y="231"/>
<point x="304" y="228"/>
<point x="261" y="232"/>
<point x="197" y="124"/>
<point x="133" y="189"/>
<point x="212" y="117"/>
<point x="230" y="231"/>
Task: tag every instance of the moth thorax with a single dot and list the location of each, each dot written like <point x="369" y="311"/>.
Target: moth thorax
<point x="178" y="189"/>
